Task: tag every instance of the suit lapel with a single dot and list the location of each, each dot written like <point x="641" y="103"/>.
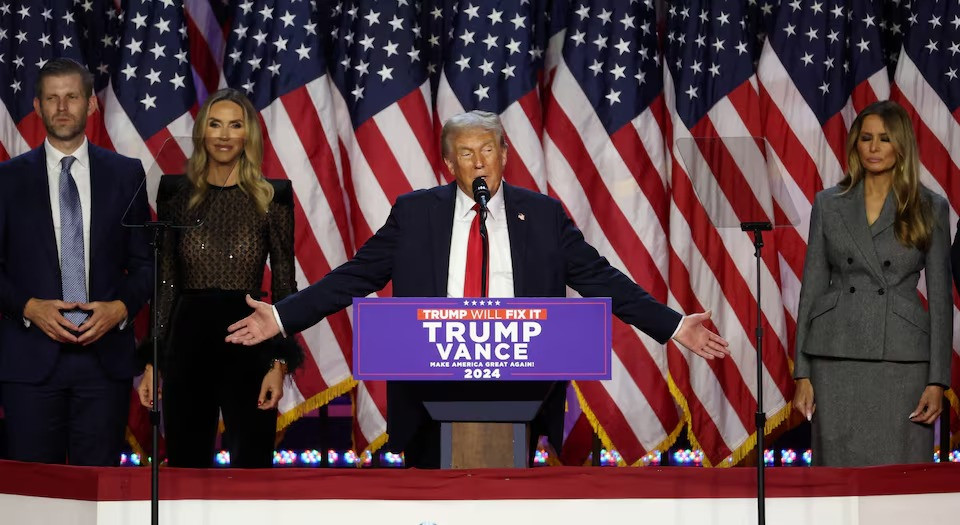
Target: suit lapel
<point x="41" y="188"/>
<point x="854" y="213"/>
<point x="99" y="188"/>
<point x="517" y="231"/>
<point x="441" y="224"/>
<point x="887" y="215"/>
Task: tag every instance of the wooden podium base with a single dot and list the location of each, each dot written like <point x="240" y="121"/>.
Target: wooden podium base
<point x="486" y="445"/>
<point x="474" y="434"/>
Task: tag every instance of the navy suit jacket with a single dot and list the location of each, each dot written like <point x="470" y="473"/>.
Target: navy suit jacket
<point x="413" y="249"/>
<point x="121" y="264"/>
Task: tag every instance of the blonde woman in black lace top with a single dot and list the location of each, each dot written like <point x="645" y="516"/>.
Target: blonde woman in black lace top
<point x="236" y="219"/>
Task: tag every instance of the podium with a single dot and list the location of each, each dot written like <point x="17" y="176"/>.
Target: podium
<point x="484" y="369"/>
<point x="484" y="434"/>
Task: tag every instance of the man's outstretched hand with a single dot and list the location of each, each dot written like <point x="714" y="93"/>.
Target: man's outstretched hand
<point x="700" y="340"/>
<point x="256" y="327"/>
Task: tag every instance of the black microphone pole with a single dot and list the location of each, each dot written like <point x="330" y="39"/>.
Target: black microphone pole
<point x="485" y="261"/>
<point x="760" y="418"/>
<point x="158" y="229"/>
<point x="481" y="194"/>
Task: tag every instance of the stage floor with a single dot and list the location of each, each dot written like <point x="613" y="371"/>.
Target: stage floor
<point x="899" y="494"/>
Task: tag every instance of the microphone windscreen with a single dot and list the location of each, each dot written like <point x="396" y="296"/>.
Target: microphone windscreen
<point x="480" y="189"/>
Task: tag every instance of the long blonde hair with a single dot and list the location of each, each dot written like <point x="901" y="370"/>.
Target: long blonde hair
<point x="248" y="169"/>
<point x="913" y="225"/>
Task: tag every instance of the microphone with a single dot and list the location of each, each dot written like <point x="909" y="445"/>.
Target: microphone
<point x="481" y="193"/>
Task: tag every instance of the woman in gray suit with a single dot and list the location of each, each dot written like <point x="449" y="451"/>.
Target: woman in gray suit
<point x="871" y="362"/>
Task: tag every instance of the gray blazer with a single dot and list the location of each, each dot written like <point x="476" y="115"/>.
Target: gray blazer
<point x="859" y="295"/>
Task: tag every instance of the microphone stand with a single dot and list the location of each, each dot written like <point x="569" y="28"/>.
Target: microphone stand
<point x="485" y="261"/>
<point x="158" y="228"/>
<point x="757" y="228"/>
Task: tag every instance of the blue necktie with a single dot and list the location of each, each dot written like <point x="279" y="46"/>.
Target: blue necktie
<point x="72" y="275"/>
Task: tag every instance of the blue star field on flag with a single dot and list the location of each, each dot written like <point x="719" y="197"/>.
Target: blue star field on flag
<point x="152" y="80"/>
<point x="709" y="54"/>
<point x="273" y="48"/>
<point x="31" y="33"/>
<point x="611" y="49"/>
<point x="828" y="48"/>
<point x="933" y="43"/>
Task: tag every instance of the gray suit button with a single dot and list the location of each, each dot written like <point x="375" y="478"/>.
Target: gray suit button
<point x="849" y="260"/>
<point x="880" y="291"/>
<point x="852" y="289"/>
<point x="886" y="263"/>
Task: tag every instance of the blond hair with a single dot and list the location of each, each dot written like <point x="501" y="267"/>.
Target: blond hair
<point x="914" y="223"/>
<point x="249" y="171"/>
<point x="470" y="120"/>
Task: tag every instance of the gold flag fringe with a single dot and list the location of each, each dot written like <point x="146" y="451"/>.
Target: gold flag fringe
<point x="375" y="444"/>
<point x="315" y="402"/>
<point x="605" y="438"/>
<point x="740" y="451"/>
<point x="135" y="444"/>
<point x="955" y="402"/>
<point x="373" y="447"/>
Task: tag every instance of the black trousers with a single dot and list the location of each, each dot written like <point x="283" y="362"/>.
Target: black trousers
<point x="75" y="416"/>
<point x="204" y="376"/>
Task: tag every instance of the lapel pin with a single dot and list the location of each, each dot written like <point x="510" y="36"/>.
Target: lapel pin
<point x="521" y="216"/>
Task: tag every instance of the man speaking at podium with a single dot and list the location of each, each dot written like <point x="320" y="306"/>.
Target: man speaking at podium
<point x="431" y="246"/>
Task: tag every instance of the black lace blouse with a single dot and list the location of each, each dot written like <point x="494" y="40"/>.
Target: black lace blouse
<point x="229" y="247"/>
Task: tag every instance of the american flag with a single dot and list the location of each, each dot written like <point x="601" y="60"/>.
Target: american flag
<point x="400" y="70"/>
<point x="605" y="158"/>
<point x="711" y="92"/>
<point x="926" y="83"/>
<point x="593" y="94"/>
<point x="384" y="132"/>
<point x="31" y="33"/>
<point x="491" y="58"/>
<point x="139" y="55"/>
<point x="274" y="52"/>
<point x="148" y="101"/>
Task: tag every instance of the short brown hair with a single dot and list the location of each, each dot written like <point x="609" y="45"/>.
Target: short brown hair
<point x="63" y="66"/>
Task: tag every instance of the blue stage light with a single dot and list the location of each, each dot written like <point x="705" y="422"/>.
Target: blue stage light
<point x="688" y="458"/>
<point x="284" y="457"/>
<point x="311" y="458"/>
<point x="788" y="457"/>
<point x="768" y="459"/>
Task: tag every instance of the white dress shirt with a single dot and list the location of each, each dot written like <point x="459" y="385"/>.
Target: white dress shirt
<point x="500" y="282"/>
<point x="80" y="170"/>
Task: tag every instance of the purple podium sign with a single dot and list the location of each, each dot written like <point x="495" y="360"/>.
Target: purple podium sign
<point x="451" y="339"/>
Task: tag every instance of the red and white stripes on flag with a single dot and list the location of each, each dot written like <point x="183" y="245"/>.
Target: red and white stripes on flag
<point x="389" y="154"/>
<point x="596" y="127"/>
<point x="614" y="187"/>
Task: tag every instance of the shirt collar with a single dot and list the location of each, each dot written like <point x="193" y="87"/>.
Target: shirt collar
<point x="54" y="156"/>
<point x="464" y="204"/>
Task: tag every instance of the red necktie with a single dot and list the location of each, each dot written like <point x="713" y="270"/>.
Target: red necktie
<point x="471" y="278"/>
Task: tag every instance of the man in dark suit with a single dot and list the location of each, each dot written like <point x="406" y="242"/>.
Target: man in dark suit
<point x="535" y="251"/>
<point x="71" y="278"/>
